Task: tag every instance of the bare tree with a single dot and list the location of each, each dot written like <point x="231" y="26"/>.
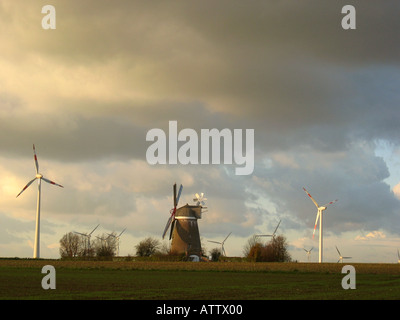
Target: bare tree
<point x="147" y="247"/>
<point x="70" y="245"/>
<point x="251" y="242"/>
<point x="273" y="251"/>
<point x="278" y="249"/>
<point x="105" y="246"/>
<point x="215" y="254"/>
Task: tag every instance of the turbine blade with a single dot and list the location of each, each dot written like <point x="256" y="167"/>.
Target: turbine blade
<point x="122" y="232"/>
<point x="36" y="160"/>
<point x="52" y="182"/>
<point x="277" y="227"/>
<point x="338" y="251"/>
<point x="214" y="241"/>
<point x="315" y="202"/>
<point x="325" y="205"/>
<point x="227" y="237"/>
<point x="316" y="222"/>
<point x="94" y="229"/>
<point x="29" y="183"/>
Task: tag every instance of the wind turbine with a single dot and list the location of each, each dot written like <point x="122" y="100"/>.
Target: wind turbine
<point x="87" y="235"/>
<point x="340" y="256"/>
<point x="103" y="240"/>
<point x="321" y="209"/>
<point x="116" y="238"/>
<point x="270" y="235"/>
<point x="222" y="244"/>
<point x="308" y="253"/>
<point x="398" y="256"/>
<point x="39" y="177"/>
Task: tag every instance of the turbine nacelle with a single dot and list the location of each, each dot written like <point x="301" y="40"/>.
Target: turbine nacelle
<point x="39" y="176"/>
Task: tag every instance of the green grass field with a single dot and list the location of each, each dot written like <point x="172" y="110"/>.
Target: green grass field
<point x="21" y="279"/>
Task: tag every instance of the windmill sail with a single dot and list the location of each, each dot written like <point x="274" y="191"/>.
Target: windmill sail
<point x="171" y="219"/>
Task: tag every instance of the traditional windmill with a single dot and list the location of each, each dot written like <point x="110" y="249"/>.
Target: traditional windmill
<point x="184" y="228"/>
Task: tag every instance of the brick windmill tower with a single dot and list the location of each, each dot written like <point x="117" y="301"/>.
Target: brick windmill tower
<point x="184" y="232"/>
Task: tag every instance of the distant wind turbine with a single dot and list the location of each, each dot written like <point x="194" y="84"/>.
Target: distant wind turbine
<point x="340" y="256"/>
<point x="103" y="240"/>
<point x="308" y="253"/>
<point x="270" y="235"/>
<point x="117" y="238"/>
<point x="222" y="244"/>
<point x="87" y="235"/>
<point x="39" y="177"/>
<point x="320" y="211"/>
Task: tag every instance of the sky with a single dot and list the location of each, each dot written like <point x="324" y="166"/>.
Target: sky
<point x="322" y="101"/>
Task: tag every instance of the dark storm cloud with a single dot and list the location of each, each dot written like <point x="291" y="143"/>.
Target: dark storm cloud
<point x="354" y="178"/>
<point x="73" y="139"/>
<point x="279" y="67"/>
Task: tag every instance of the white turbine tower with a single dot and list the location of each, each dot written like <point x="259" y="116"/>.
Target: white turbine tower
<point x="321" y="209"/>
<point x="39" y="177"/>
